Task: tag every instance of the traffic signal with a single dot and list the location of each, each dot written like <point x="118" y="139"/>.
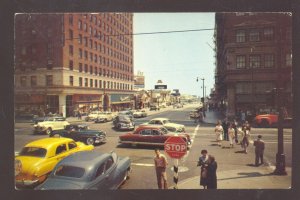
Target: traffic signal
<point x="202" y="99"/>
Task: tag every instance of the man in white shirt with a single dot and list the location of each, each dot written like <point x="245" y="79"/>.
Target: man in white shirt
<point x="161" y="163"/>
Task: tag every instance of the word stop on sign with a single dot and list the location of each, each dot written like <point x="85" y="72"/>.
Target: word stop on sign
<point x="175" y="147"/>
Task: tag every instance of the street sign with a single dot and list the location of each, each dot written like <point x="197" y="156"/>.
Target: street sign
<point x="175" y="147"/>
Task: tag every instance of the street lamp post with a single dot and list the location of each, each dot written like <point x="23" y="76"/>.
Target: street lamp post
<point x="203" y="103"/>
<point x="280" y="157"/>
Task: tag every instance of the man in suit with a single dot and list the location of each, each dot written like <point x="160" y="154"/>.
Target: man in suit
<point x="259" y="150"/>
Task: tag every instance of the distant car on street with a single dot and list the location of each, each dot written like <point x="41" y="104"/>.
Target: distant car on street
<point x="104" y="117"/>
<point x="81" y="132"/>
<point x="50" y="124"/>
<point x="154" y="107"/>
<point x="153" y="135"/>
<point x="167" y="124"/>
<point x="123" y="122"/>
<point x="139" y="113"/>
<point x="88" y="170"/>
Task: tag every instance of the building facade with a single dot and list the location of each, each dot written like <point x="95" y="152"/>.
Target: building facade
<point x="70" y="62"/>
<point x="253" y="56"/>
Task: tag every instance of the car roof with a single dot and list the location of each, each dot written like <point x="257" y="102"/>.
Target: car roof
<point x="160" y="118"/>
<point x="149" y="126"/>
<point x="85" y="159"/>
<point x="45" y="142"/>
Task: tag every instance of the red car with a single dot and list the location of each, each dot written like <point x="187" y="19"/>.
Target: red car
<point x="154" y="135"/>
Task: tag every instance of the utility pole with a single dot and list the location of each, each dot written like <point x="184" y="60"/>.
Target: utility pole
<point x="280" y="157"/>
<point x="203" y="103"/>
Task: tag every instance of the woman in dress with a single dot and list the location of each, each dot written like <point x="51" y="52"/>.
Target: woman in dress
<point x="203" y="159"/>
<point x="212" y="173"/>
<point x="231" y="134"/>
<point x="246" y="136"/>
<point x="219" y="132"/>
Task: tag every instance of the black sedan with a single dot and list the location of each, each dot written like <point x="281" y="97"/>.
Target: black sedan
<point x="88" y="170"/>
<point x="80" y="132"/>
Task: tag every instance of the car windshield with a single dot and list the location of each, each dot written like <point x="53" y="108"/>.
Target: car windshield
<point x="34" y="152"/>
<point x="69" y="171"/>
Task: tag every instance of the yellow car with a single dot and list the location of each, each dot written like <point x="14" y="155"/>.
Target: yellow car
<point x="38" y="158"/>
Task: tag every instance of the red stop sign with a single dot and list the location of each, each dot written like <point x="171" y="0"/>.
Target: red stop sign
<point x="175" y="147"/>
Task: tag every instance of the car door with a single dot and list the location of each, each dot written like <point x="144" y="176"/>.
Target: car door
<point x="157" y="137"/>
<point x="146" y="136"/>
<point x="61" y="152"/>
<point x="98" y="178"/>
<point x="111" y="180"/>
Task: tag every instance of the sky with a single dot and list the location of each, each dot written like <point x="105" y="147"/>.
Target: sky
<point x="175" y="58"/>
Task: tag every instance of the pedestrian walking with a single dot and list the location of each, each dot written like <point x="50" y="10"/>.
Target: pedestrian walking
<point x="231" y="134"/>
<point x="245" y="139"/>
<point x="219" y="132"/>
<point x="79" y="114"/>
<point x="161" y="163"/>
<point x="235" y="127"/>
<point x="212" y="173"/>
<point x="203" y="162"/>
<point x="259" y="150"/>
<point x="225" y="129"/>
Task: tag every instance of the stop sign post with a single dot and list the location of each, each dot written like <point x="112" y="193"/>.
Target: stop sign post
<point x="176" y="148"/>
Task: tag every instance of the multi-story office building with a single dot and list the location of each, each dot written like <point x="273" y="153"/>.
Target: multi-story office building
<point x="253" y="56"/>
<point x="69" y="62"/>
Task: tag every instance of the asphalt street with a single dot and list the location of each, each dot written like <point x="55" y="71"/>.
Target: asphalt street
<point x="143" y="173"/>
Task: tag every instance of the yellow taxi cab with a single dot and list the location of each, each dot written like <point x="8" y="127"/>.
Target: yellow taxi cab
<point x="38" y="158"/>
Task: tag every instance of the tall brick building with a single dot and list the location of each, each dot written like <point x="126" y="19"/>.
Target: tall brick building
<point x="69" y="62"/>
<point x="253" y="56"/>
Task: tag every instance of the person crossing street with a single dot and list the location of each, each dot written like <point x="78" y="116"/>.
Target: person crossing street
<point x="259" y="150"/>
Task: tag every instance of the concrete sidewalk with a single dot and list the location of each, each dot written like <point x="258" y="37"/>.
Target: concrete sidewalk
<point x="248" y="177"/>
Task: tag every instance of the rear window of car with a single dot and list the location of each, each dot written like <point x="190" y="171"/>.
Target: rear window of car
<point x="69" y="171"/>
<point x="34" y="152"/>
<point x="60" y="119"/>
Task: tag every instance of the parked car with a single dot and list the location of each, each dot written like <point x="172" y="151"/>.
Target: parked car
<point x="104" y="117"/>
<point x="167" y="124"/>
<point x="194" y="114"/>
<point x="123" y="122"/>
<point x="153" y="107"/>
<point x="271" y="120"/>
<point x="50" y="124"/>
<point x="150" y="135"/>
<point x="88" y="170"/>
<point x="38" y="158"/>
<point x="139" y="113"/>
<point x="81" y="132"/>
<point x="93" y="116"/>
<point x="126" y="112"/>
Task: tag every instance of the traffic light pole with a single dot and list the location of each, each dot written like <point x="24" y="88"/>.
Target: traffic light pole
<point x="280" y="156"/>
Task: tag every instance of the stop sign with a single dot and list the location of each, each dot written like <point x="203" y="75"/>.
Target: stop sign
<point x="175" y="147"/>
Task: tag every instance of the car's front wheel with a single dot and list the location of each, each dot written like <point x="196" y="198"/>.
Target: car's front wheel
<point x="49" y="131"/>
<point x="90" y="141"/>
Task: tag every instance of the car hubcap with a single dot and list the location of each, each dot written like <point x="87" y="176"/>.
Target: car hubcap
<point x="90" y="141"/>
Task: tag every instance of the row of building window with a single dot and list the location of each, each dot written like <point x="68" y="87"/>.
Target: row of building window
<point x="99" y="71"/>
<point x="87" y="83"/>
<point x="89" y="42"/>
<point x="106" y="26"/>
<point x="256" y="35"/>
<point x="258" y="87"/>
<point x="92" y="57"/>
<point x="110" y="17"/>
<point x="260" y="61"/>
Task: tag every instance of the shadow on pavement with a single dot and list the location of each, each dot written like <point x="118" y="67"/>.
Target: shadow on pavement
<point x="247" y="175"/>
